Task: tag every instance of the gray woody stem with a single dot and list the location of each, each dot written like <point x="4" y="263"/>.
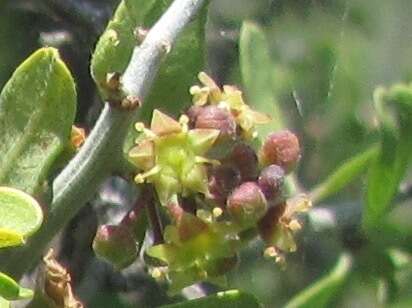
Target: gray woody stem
<point x="102" y="151"/>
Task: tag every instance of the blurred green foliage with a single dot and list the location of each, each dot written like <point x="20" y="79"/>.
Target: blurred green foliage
<point x="327" y="59"/>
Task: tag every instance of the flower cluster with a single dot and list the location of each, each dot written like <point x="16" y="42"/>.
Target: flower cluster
<point x="212" y="198"/>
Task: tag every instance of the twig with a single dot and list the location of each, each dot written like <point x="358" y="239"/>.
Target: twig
<point x="102" y="151"/>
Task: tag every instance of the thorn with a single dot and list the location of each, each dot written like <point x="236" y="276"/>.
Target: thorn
<point x="113" y="36"/>
<point x="139" y="126"/>
<point x="217" y="212"/>
<point x="140" y="34"/>
<point x="113" y="81"/>
<point x="130" y="102"/>
<point x="166" y="46"/>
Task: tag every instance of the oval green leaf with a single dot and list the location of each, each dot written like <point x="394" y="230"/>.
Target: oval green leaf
<point x="115" y="46"/>
<point x="231" y="298"/>
<point x="37" y="109"/>
<point x="20" y="216"/>
<point x="10" y="289"/>
<point x="10" y="238"/>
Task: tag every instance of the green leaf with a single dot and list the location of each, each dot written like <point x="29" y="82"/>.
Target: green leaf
<point x="20" y="216"/>
<point x="231" y="298"/>
<point x="320" y="293"/>
<point x="178" y="72"/>
<point x="37" y="109"/>
<point x="394" y="111"/>
<point x="10" y="289"/>
<point x="257" y="71"/>
<point x="10" y="238"/>
<point x="343" y="175"/>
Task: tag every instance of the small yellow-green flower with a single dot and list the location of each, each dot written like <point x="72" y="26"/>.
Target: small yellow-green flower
<point x="280" y="223"/>
<point x="231" y="98"/>
<point x="172" y="157"/>
<point x="196" y="250"/>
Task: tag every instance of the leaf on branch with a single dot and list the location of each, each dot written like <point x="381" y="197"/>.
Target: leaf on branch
<point x="10" y="289"/>
<point x="37" y="109"/>
<point x="394" y="111"/>
<point x="20" y="216"/>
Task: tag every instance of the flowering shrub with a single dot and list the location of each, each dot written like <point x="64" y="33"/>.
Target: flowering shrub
<point x="205" y="178"/>
<point x="229" y="192"/>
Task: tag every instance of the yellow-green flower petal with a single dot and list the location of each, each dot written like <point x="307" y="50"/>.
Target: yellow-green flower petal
<point x="142" y="155"/>
<point x="162" y="124"/>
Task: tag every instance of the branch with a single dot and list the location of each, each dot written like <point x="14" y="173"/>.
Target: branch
<point x="102" y="151"/>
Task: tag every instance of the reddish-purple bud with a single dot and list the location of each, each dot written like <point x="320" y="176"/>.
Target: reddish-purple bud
<point x="115" y="244"/>
<point x="222" y="180"/>
<point x="247" y="204"/>
<point x="192" y="113"/>
<point x="282" y="149"/>
<point x="271" y="181"/>
<point x="245" y="159"/>
<point x="214" y="117"/>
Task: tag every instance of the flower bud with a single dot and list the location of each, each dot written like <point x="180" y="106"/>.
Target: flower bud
<point x="214" y="117"/>
<point x="282" y="149"/>
<point x="245" y="159"/>
<point x="271" y="181"/>
<point x="222" y="180"/>
<point x="192" y="113"/>
<point x="77" y="137"/>
<point x="115" y="244"/>
<point x="247" y="204"/>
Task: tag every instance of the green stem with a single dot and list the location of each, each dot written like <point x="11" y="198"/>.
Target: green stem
<point x="343" y="175"/>
<point x="102" y="151"/>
